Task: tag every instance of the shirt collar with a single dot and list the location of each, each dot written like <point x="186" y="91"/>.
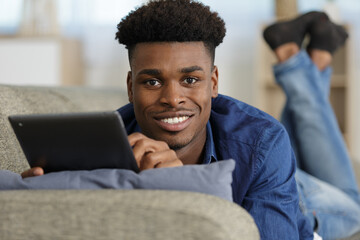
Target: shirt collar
<point x="210" y="153"/>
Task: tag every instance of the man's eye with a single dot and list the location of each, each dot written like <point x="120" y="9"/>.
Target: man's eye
<point x="152" y="82"/>
<point x="190" y="80"/>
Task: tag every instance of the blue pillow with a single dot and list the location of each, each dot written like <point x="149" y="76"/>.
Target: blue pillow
<point x="214" y="179"/>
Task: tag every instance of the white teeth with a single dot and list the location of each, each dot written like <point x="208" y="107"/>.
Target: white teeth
<point x="175" y="119"/>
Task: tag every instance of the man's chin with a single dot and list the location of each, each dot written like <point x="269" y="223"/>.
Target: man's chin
<point x="175" y="140"/>
<point x="175" y="145"/>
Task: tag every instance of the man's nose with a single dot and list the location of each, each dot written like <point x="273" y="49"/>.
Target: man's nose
<point x="172" y="94"/>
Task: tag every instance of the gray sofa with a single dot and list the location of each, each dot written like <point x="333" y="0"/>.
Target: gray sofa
<point x="102" y="214"/>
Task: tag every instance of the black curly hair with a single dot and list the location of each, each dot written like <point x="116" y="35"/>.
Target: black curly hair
<point x="171" y="21"/>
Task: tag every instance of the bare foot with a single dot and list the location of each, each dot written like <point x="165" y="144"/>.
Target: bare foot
<point x="286" y="51"/>
<point x="321" y="58"/>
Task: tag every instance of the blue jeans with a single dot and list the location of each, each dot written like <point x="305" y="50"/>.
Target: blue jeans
<point x="328" y="191"/>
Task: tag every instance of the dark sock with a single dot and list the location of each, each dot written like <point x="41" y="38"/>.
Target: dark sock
<point x="291" y="31"/>
<point x="325" y="35"/>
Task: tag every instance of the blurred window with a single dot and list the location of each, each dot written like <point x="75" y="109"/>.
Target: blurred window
<point x="70" y="14"/>
<point x="73" y="14"/>
<point x="10" y="15"/>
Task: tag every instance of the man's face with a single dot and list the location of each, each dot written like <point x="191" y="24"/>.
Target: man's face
<point x="171" y="86"/>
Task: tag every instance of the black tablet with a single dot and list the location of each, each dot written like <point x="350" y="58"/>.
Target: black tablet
<point x="74" y="141"/>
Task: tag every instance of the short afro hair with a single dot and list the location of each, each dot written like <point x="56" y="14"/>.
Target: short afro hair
<point x="171" y="21"/>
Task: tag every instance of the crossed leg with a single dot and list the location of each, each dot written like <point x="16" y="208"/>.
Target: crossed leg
<point x="328" y="192"/>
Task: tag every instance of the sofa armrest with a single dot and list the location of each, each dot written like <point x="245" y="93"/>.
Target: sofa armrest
<point x="121" y="214"/>
<point x="36" y="99"/>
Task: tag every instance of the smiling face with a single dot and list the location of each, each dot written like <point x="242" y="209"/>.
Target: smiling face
<point x="171" y="85"/>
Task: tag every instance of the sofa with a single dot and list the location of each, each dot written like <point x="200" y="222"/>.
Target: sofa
<point x="101" y="213"/>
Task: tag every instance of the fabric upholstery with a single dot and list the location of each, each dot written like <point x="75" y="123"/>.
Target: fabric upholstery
<point x="27" y="100"/>
<point x="121" y="214"/>
<point x="102" y="214"/>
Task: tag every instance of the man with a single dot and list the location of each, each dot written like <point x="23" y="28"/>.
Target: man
<point x="176" y="115"/>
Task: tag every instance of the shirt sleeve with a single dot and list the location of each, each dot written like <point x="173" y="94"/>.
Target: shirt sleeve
<point x="272" y="198"/>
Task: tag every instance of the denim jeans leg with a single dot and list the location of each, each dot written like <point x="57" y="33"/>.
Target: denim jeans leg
<point x="321" y="150"/>
<point x="287" y="121"/>
<point x="327" y="187"/>
<point x="332" y="213"/>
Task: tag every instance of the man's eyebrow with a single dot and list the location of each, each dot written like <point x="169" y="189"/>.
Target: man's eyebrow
<point x="191" y="69"/>
<point x="150" y="72"/>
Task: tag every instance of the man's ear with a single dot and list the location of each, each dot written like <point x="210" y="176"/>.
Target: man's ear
<point x="214" y="82"/>
<point x="129" y="87"/>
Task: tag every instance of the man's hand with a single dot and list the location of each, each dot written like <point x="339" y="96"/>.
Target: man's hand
<point x="150" y="153"/>
<point x="32" y="172"/>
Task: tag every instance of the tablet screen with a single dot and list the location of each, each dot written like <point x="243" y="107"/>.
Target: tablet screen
<point x="74" y="141"/>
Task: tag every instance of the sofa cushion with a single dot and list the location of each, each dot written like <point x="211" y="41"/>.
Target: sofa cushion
<point x="121" y="214"/>
<point x="214" y="179"/>
<point x="28" y="100"/>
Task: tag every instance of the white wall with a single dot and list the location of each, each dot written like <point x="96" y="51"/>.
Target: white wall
<point x="30" y="61"/>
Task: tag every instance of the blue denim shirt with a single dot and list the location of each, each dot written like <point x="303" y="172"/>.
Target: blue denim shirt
<point x="263" y="179"/>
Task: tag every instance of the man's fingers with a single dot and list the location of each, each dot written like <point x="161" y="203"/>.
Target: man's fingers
<point x="173" y="163"/>
<point x="165" y="158"/>
<point x="135" y="137"/>
<point x="143" y="145"/>
<point x="150" y="153"/>
<point x="32" y="172"/>
<point x="139" y="138"/>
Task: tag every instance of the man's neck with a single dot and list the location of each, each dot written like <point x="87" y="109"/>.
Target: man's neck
<point x="193" y="153"/>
